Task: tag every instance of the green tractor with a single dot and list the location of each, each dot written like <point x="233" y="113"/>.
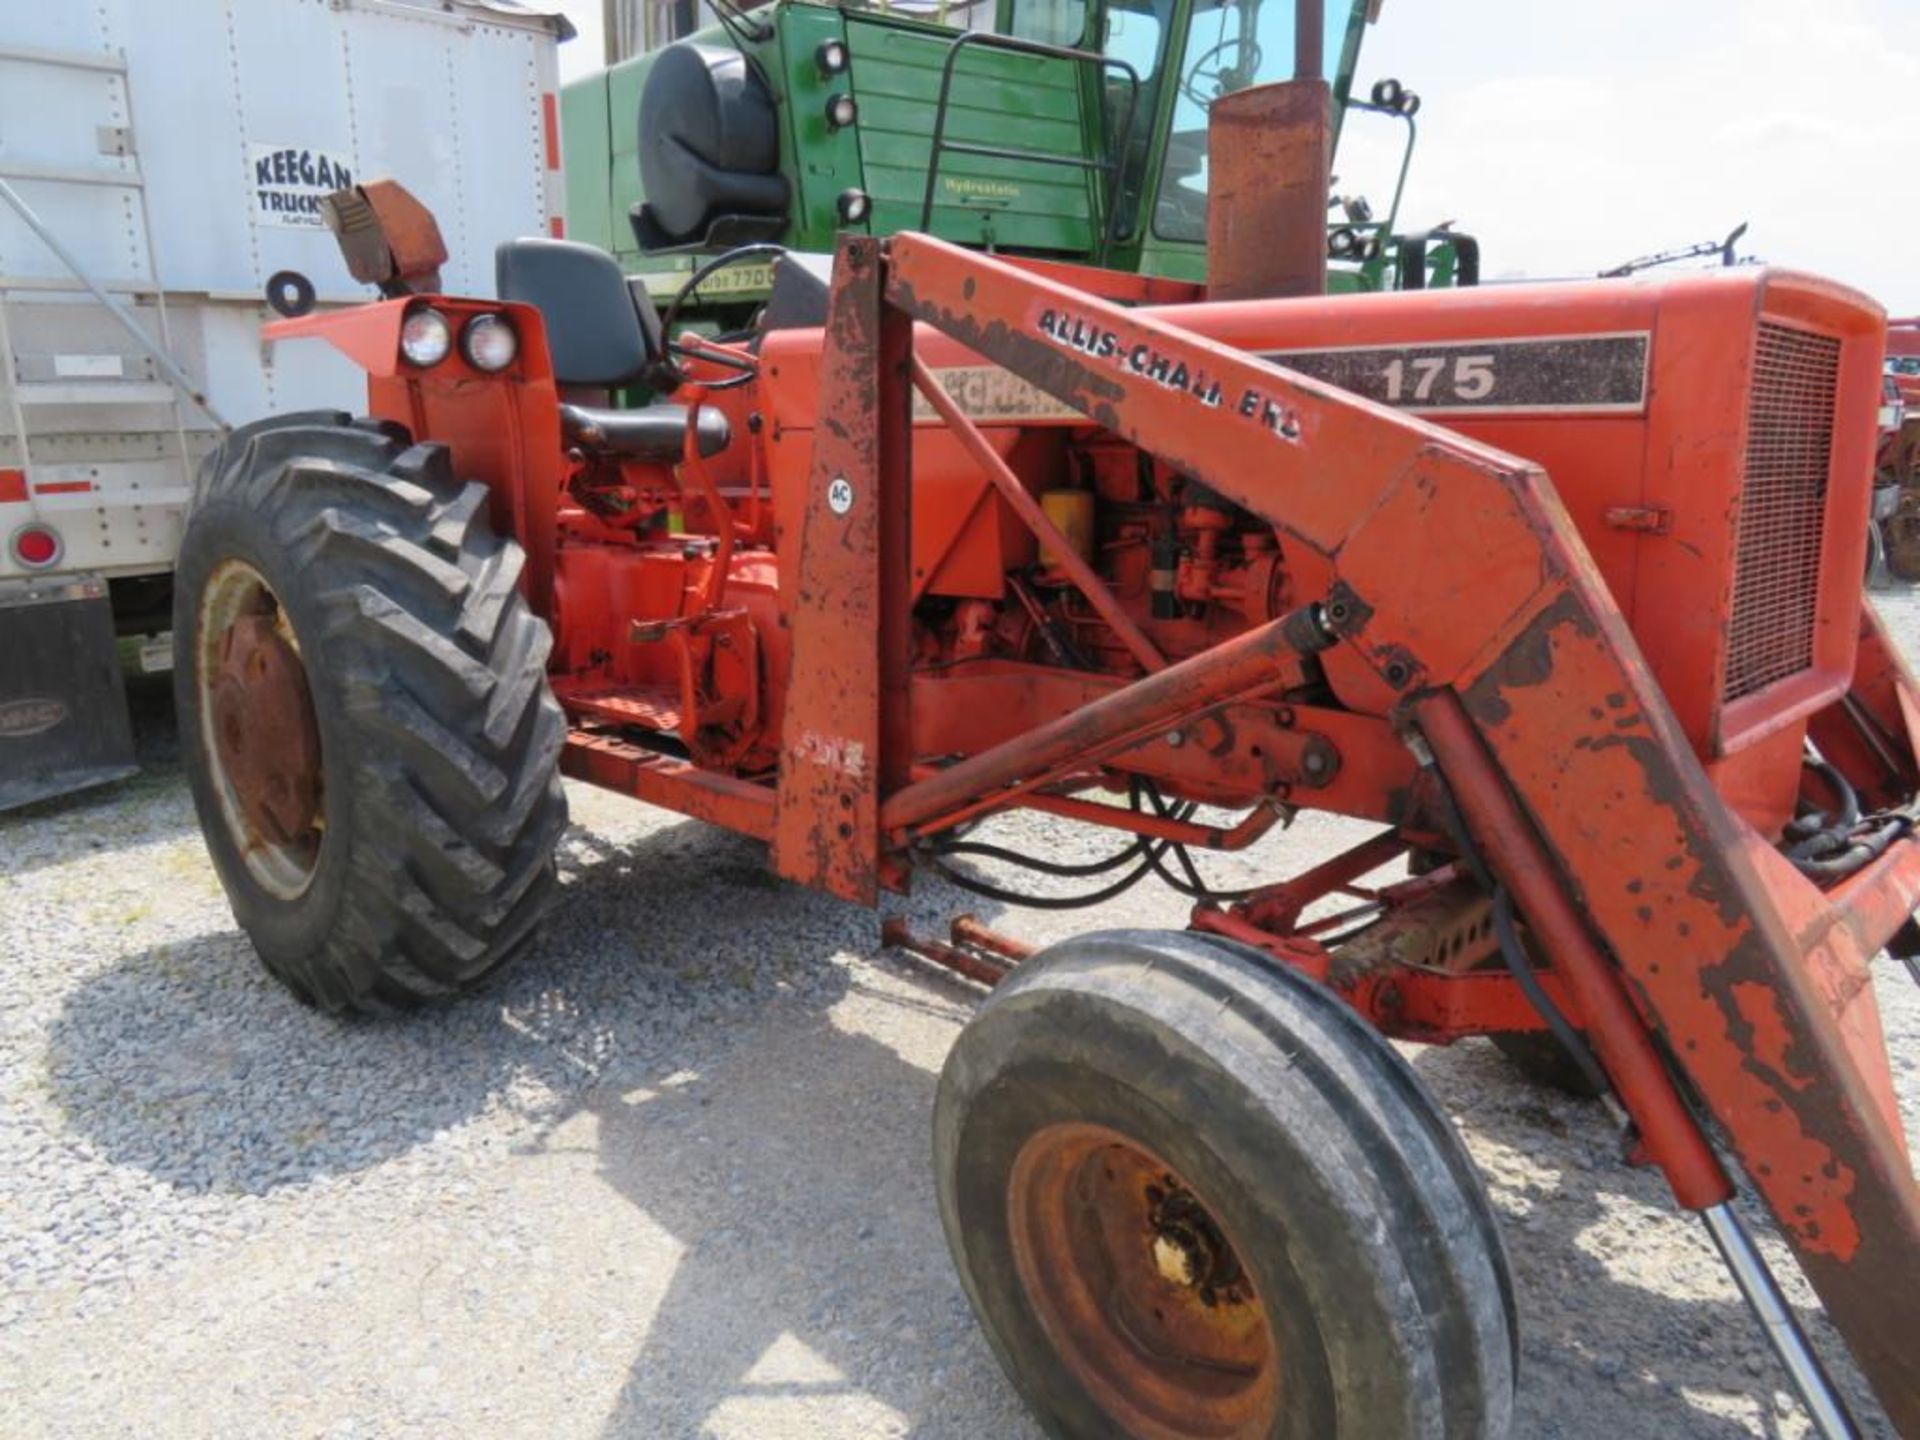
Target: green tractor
<point x="1074" y="130"/>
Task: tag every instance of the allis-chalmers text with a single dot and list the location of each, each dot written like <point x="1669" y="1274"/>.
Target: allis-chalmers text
<point x="1171" y="372"/>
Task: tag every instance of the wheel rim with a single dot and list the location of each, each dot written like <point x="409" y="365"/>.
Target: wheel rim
<point x="1140" y="1288"/>
<point x="261" y="737"/>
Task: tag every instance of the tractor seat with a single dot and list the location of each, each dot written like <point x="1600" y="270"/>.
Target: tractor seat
<point x="601" y="337"/>
<point x="597" y="335"/>
<point x="653" y="432"/>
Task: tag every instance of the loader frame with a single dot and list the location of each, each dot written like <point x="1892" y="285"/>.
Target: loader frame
<point x="1717" y="988"/>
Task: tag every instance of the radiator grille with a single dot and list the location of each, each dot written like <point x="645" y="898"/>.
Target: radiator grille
<point x="1776" y="567"/>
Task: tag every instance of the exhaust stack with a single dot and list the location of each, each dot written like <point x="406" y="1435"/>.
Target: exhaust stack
<point x="1269" y="158"/>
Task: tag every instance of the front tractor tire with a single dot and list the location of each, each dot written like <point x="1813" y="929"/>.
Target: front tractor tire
<point x="364" y="713"/>
<point x="1191" y="1197"/>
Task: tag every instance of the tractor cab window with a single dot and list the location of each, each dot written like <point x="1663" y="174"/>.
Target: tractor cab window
<point x="1228" y="46"/>
<point x="1134" y="31"/>
<point x="1051" y="22"/>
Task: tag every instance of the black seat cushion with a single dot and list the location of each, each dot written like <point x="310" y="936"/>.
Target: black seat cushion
<point x="596" y="331"/>
<point x="653" y="432"/>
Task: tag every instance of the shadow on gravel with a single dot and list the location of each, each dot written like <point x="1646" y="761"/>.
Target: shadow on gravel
<point x="1594" y="1345"/>
<point x="803" y="1198"/>
<point x="187" y="1062"/>
<point x="190" y="1063"/>
<point x="682" y="997"/>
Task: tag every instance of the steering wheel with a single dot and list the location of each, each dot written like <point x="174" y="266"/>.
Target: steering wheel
<point x="668" y="375"/>
<point x="1246" y="61"/>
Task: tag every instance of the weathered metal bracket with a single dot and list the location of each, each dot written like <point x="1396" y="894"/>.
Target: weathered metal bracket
<point x="845" y="731"/>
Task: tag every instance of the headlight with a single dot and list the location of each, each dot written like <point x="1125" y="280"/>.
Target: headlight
<point x="425" y="337"/>
<point x="831" y="56"/>
<point x="489" y="343"/>
<point x="841" y="111"/>
<point x="853" y="205"/>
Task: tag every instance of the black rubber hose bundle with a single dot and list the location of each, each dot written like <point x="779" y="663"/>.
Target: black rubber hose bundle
<point x="1829" y="846"/>
<point x="1147" y="857"/>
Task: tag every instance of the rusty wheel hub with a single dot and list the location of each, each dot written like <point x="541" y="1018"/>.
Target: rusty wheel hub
<point x="1140" y="1289"/>
<point x="264" y="731"/>
<point x="261" y="732"/>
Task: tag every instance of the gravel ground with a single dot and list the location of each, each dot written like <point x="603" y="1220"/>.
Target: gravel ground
<point x="668" y="1178"/>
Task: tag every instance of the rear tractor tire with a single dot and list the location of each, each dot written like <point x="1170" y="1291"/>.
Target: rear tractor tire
<point x="1195" y="1198"/>
<point x="364" y="713"/>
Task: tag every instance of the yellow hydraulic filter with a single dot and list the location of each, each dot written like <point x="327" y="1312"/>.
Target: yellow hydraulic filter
<point x="1071" y="511"/>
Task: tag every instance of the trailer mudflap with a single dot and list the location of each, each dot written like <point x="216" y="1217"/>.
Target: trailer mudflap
<point x="63" y="707"/>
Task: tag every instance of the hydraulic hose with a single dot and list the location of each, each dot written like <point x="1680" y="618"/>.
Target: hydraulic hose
<point x="1830" y="847"/>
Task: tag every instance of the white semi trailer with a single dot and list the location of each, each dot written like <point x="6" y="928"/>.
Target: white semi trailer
<point x="160" y="162"/>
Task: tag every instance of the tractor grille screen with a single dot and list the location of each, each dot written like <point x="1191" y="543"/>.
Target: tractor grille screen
<point x="1776" y="568"/>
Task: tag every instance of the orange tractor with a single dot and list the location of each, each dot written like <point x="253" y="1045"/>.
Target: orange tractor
<point x="950" y="534"/>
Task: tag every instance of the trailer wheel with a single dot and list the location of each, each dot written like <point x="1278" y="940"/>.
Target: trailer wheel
<point x="1191" y="1197"/>
<point x="364" y="713"/>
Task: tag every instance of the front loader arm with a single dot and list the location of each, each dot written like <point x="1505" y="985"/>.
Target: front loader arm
<point x="1461" y="580"/>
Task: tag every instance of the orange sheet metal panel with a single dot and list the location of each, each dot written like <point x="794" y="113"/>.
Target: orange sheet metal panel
<point x="503" y="429"/>
<point x="1632" y="396"/>
<point x="1665" y="433"/>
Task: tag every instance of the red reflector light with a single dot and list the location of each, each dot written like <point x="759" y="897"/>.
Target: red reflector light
<point x="550" y="125"/>
<point x="35" y="546"/>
